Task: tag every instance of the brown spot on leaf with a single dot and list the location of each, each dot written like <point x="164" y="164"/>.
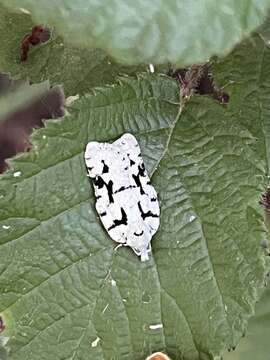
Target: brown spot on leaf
<point x="265" y="200"/>
<point x="38" y="35"/>
<point x="2" y="325"/>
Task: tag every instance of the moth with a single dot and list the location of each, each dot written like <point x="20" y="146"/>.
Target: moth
<point x="126" y="201"/>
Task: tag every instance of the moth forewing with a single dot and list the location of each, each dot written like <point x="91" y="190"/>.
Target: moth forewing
<point x="126" y="201"/>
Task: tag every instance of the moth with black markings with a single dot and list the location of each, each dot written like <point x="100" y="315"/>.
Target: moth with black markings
<point x="126" y="201"/>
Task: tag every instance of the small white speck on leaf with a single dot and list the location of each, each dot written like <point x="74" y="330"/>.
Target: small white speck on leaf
<point x="95" y="342"/>
<point x="113" y="282"/>
<point x="70" y="100"/>
<point x="44" y="137"/>
<point x="151" y="68"/>
<point x="192" y="217"/>
<point x="124" y="300"/>
<point x="106" y="307"/>
<point x="225" y="308"/>
<point x="155" y="326"/>
<point x="17" y="174"/>
<point x="6" y="227"/>
<point x="25" y="11"/>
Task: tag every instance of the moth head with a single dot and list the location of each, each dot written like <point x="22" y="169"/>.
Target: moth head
<point x="139" y="241"/>
<point x="128" y="139"/>
<point x="129" y="145"/>
<point x="143" y="252"/>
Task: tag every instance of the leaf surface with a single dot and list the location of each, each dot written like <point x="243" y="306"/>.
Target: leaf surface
<point x="67" y="293"/>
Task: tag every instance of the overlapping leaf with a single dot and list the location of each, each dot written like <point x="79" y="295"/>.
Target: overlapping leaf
<point x="177" y="31"/>
<point x="78" y="70"/>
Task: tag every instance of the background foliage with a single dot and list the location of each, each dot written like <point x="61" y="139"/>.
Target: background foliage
<point x="156" y="31"/>
<point x="65" y="292"/>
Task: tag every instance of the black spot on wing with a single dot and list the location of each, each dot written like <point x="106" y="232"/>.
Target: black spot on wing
<point x="141" y="173"/>
<point x="140" y="234"/>
<point x="122" y="221"/>
<point x="138" y="183"/>
<point x="123" y="188"/>
<point x="147" y="214"/>
<point x="141" y="170"/>
<point x="105" y="167"/>
<point x="99" y="183"/>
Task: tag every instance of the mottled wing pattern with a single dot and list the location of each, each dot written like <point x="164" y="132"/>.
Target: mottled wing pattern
<point x="126" y="201"/>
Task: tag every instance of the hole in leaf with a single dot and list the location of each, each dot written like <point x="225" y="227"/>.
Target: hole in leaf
<point x="197" y="79"/>
<point x="39" y="34"/>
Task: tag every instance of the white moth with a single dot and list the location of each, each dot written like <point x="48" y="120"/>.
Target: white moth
<point x="126" y="202"/>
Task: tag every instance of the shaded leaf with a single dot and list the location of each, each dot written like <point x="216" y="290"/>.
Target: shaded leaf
<point x="183" y="32"/>
<point x="23" y="108"/>
<point x="67" y="292"/>
<point x="78" y="70"/>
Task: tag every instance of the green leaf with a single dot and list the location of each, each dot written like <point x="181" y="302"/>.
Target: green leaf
<point x="68" y="294"/>
<point x="247" y="78"/>
<point x="176" y="31"/>
<point x="264" y="31"/>
<point x="78" y="70"/>
<point x="255" y="345"/>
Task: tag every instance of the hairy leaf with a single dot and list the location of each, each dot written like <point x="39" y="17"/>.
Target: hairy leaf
<point x="67" y="293"/>
<point x="178" y="31"/>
